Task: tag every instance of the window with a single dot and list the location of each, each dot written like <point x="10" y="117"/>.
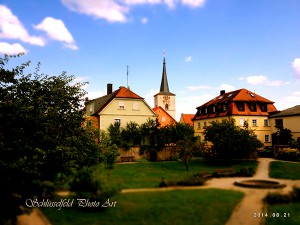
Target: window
<point x="267" y="138"/>
<point x="199" y="126"/>
<point x="240" y="106"/>
<point x="242" y="122"/>
<point x="205" y="111"/>
<point x="121" y="105"/>
<point x="266" y="122"/>
<point x="254" y="123"/>
<point x="278" y="123"/>
<point x="166" y="106"/>
<point x="117" y="120"/>
<point x="163" y="119"/>
<point x="252" y="107"/>
<point x="263" y="107"/>
<point x="213" y="109"/>
<point x="135" y="106"/>
<point x="224" y="107"/>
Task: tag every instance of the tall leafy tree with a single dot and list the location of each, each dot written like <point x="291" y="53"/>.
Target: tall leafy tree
<point x="231" y="141"/>
<point x="41" y="134"/>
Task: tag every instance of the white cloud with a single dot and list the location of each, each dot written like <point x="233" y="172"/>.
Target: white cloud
<point x="12" y="28"/>
<point x="110" y="10"/>
<point x="188" y="58"/>
<point x="261" y="79"/>
<point x="288" y="101"/>
<point x="193" y="3"/>
<point x="296" y="67"/>
<point x="149" y="97"/>
<point x="144" y="20"/>
<point x="11" y="49"/>
<point x="227" y="87"/>
<point x="117" y="10"/>
<point x="56" y="30"/>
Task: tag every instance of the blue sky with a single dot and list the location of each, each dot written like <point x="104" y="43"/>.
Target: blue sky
<point x="210" y="45"/>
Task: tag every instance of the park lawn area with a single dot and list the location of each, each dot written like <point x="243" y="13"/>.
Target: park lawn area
<point x="176" y="207"/>
<point x="287" y="214"/>
<point x="149" y="174"/>
<point x="285" y="170"/>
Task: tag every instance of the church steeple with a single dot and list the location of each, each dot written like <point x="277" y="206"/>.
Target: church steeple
<point x="165" y="98"/>
<point x="164" y="86"/>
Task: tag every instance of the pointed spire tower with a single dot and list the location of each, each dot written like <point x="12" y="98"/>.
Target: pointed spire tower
<point x="165" y="98"/>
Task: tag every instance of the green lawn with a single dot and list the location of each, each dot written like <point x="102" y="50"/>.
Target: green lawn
<point x="285" y="170"/>
<point x="284" y="214"/>
<point x="149" y="174"/>
<point x="207" y="206"/>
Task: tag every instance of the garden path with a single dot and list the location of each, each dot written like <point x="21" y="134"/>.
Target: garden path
<point x="243" y="214"/>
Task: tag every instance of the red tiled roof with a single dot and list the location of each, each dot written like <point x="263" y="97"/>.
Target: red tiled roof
<point x="187" y="118"/>
<point x="229" y="99"/>
<point x="160" y="112"/>
<point x="124" y="92"/>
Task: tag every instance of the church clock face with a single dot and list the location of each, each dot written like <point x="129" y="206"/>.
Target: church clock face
<point x="166" y="99"/>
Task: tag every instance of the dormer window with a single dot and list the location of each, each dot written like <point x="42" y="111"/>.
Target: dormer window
<point x="252" y="107"/>
<point x="224" y="107"/>
<point x="213" y="109"/>
<point x="240" y="106"/>
<point x="205" y="111"/>
<point x="263" y="107"/>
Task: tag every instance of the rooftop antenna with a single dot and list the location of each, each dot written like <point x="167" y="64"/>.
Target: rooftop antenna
<point x="127" y="75"/>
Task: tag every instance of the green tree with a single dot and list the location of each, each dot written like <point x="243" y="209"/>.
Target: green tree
<point x="131" y="135"/>
<point x="41" y="134"/>
<point x="283" y="136"/>
<point x="183" y="136"/>
<point x="109" y="150"/>
<point x="231" y="141"/>
<point x="114" y="131"/>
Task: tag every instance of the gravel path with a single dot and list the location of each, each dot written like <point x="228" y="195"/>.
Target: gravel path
<point x="243" y="214"/>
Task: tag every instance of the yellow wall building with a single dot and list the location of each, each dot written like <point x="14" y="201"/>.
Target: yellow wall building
<point x="288" y="118"/>
<point x="241" y="105"/>
<point x="121" y="106"/>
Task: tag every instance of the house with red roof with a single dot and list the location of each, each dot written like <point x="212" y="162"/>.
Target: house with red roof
<point x="187" y="119"/>
<point x="122" y="106"/>
<point x="164" y="118"/>
<point x="242" y="105"/>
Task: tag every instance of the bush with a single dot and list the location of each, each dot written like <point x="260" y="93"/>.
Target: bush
<point x="288" y="154"/>
<point x="246" y="172"/>
<point x="193" y="180"/>
<point x="92" y="185"/>
<point x="279" y="198"/>
<point x="266" y="152"/>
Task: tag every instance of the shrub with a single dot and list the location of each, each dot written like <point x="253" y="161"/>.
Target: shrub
<point x="246" y="172"/>
<point x="193" y="180"/>
<point x="92" y="185"/>
<point x="279" y="198"/>
<point x="288" y="154"/>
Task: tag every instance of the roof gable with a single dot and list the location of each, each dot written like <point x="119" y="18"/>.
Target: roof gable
<point x="238" y="95"/>
<point x="122" y="92"/>
<point x="293" y="111"/>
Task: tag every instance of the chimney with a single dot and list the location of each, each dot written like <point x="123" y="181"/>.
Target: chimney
<point x="109" y="88"/>
<point x="222" y="92"/>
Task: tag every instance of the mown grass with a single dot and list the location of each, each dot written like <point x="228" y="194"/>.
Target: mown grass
<point x="149" y="174"/>
<point x="284" y="214"/>
<point x="188" y="207"/>
<point x="285" y="170"/>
